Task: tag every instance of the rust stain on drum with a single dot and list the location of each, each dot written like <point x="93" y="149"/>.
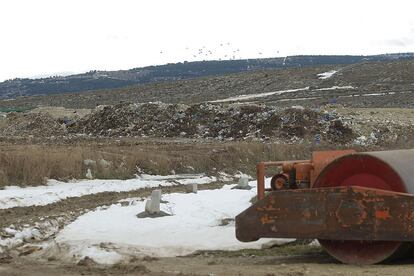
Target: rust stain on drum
<point x="266" y="220"/>
<point x="382" y="214"/>
<point x="351" y="212"/>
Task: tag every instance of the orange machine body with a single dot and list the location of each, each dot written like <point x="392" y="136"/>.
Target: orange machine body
<point x="359" y="206"/>
<point x="298" y="173"/>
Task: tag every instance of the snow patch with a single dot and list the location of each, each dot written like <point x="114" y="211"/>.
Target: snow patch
<point x="267" y="94"/>
<point x="55" y="190"/>
<point x="195" y="224"/>
<point x="258" y="95"/>
<point x="327" y="75"/>
<point x="335" y="88"/>
<point x="40" y="231"/>
<point x="378" y="94"/>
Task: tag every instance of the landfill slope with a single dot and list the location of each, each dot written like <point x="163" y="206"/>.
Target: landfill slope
<point x="371" y="84"/>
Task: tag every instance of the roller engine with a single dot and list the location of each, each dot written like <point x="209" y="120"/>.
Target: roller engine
<point x="359" y="206"/>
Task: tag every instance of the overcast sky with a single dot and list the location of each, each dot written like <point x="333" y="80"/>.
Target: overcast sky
<point x="59" y="36"/>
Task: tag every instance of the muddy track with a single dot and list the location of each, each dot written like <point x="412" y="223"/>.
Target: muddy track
<point x="270" y="265"/>
<point x="71" y="208"/>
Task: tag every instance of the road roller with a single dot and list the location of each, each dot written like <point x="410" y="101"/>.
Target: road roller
<point x="358" y="205"/>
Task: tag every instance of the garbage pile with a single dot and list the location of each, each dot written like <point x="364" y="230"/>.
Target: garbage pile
<point x="216" y="121"/>
<point x="219" y="121"/>
<point x="31" y="124"/>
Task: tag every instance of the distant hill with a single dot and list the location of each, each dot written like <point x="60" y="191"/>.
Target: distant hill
<point x="95" y="80"/>
<point x="364" y="84"/>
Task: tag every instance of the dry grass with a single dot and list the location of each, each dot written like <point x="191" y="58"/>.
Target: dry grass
<point x="34" y="164"/>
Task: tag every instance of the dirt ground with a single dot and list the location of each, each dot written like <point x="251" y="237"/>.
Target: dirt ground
<point x="294" y="265"/>
<point x="61" y="112"/>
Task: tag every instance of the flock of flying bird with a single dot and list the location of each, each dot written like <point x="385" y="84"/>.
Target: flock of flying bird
<point x="224" y="52"/>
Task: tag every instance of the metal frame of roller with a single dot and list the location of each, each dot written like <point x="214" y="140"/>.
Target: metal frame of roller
<point x="360" y="206"/>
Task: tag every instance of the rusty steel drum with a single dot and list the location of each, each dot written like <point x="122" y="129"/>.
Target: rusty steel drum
<point x="386" y="170"/>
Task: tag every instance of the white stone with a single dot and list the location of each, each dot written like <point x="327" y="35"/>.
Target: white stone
<point x="152" y="206"/>
<point x="89" y="162"/>
<point x="89" y="174"/>
<point x="191" y="188"/>
<point x="243" y="181"/>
